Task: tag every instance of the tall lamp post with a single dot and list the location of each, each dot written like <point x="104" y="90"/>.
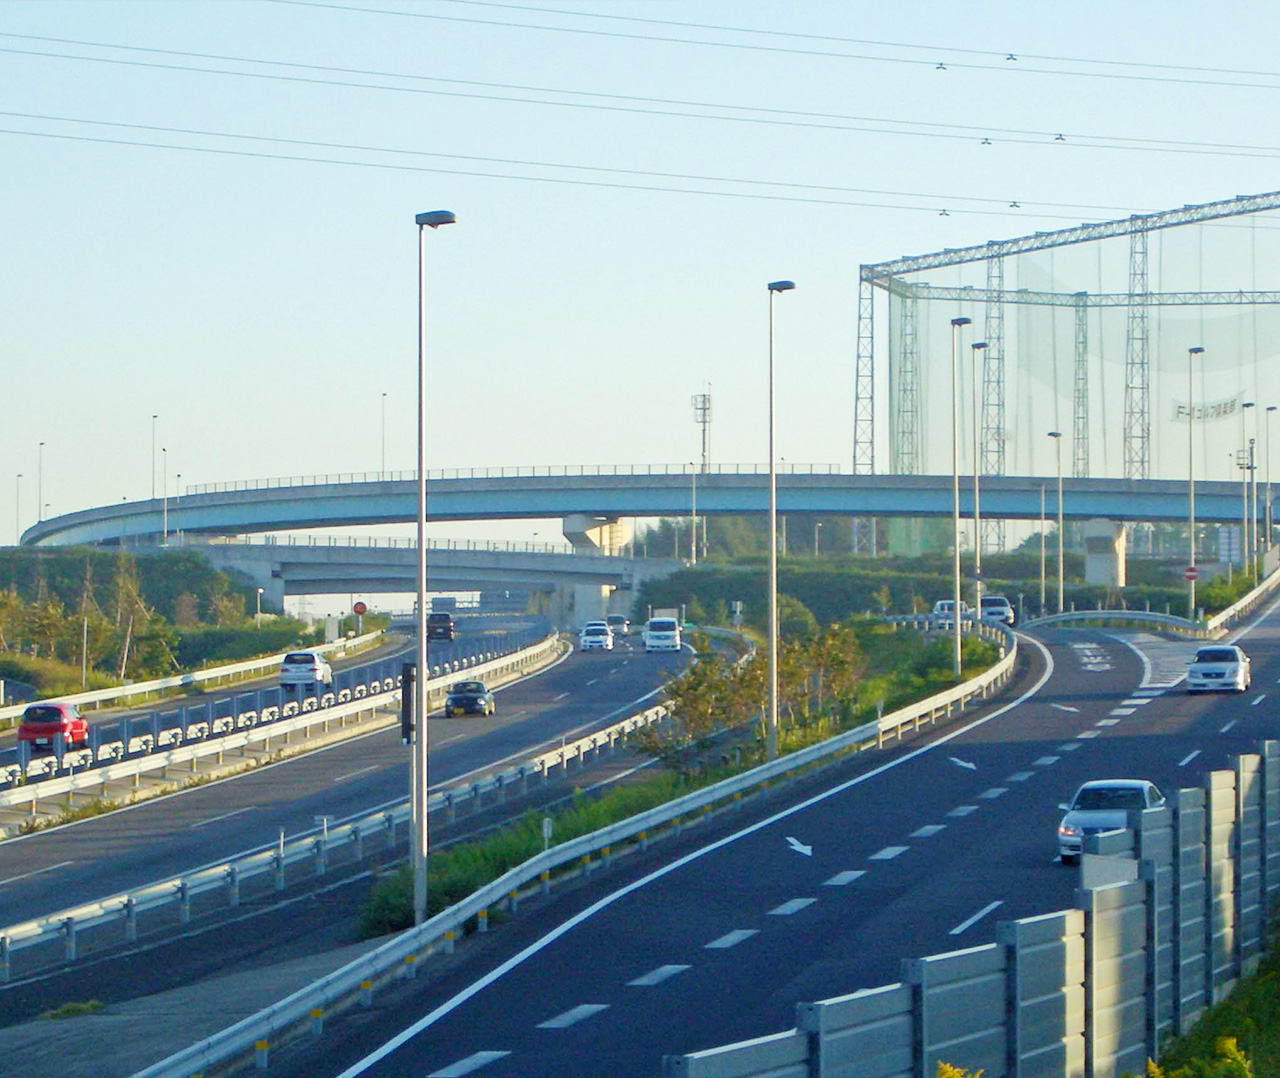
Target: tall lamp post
<point x="432" y="219"/>
<point x="817" y="530"/>
<point x="1242" y="459"/>
<point x="257" y="614"/>
<point x="956" y="323"/>
<point x="177" y="504"/>
<point x="1191" y="481"/>
<point x="164" y="496"/>
<point x="1042" y="530"/>
<point x="772" y="739"/>
<point x="1266" y="512"/>
<point x="978" y="349"/>
<point x="1056" y="435"/>
<point x="693" y="511"/>
<point x="154" y="417"/>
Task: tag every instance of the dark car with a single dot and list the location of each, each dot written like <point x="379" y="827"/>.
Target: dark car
<point x="469" y="698"/>
<point x="42" y="722"/>
<point x="440" y="627"/>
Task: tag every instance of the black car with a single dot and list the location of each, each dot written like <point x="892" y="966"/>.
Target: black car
<point x="440" y="627"/>
<point x="469" y="698"/>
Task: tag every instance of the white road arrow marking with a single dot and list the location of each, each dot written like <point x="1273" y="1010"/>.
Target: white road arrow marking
<point x="799" y="846"/>
<point x="962" y="763"/>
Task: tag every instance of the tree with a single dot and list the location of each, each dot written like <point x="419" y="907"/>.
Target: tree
<point x="186" y="611"/>
<point x="795" y="619"/>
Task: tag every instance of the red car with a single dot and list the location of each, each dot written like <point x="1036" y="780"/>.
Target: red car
<point x="42" y="722"/>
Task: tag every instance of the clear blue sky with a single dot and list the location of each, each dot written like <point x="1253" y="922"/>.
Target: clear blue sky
<point x="627" y="177"/>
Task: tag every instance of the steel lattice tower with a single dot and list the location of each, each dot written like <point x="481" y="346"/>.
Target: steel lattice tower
<point x="992" y="445"/>
<point x="1137" y="373"/>
<point x="1080" y="398"/>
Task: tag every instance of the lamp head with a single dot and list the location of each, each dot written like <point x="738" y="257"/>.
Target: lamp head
<point x="1055" y="434"/>
<point x="435" y="218"/>
<point x="979" y="345"/>
<point x="1271" y="407"/>
<point x="1247" y="404"/>
<point x="1196" y="350"/>
<point x="781" y="286"/>
<point x="961" y="321"/>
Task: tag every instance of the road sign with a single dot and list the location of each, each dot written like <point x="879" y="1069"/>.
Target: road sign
<point x="359" y="608"/>
<point x="1191" y="572"/>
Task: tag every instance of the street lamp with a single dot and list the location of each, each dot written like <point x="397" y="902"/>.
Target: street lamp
<point x="1243" y="463"/>
<point x="177" y="504"/>
<point x="433" y="220"/>
<point x="1267" y="510"/>
<point x="1057" y="442"/>
<point x="817" y="530"/>
<point x="772" y="737"/>
<point x="257" y="614"/>
<point x="1253" y="515"/>
<point x="40" y="482"/>
<point x="1042" y="530"/>
<point x="978" y="349"/>
<point x="154" y="417"/>
<point x="17" y="509"/>
<point x="1191" y="481"/>
<point x="956" y="323"/>
<point x="164" y="493"/>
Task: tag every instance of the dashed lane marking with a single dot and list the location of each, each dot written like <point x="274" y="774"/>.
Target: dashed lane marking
<point x="1122" y="711"/>
<point x="1070" y="746"/>
<point x="573" y="1016"/>
<point x="1084" y="735"/>
<point x="888" y="853"/>
<point x="993" y="793"/>
<point x="1261" y="697"/>
<point x="353" y="774"/>
<point x="28" y="875"/>
<point x="1188" y="758"/>
<point x="928" y="830"/>
<point x="1107" y="722"/>
<point x="560" y="697"/>
<point x="795" y="905"/>
<point x="843" y="879"/>
<point x="467" y="1066"/>
<point x="1135" y="701"/>
<point x="731" y="939"/>
<point x="1066" y="707"/>
<point x="1046" y="761"/>
<point x="976" y="917"/>
<point x="1150" y="693"/>
<point x="224" y="816"/>
<point x="657" y="976"/>
<point x="962" y="810"/>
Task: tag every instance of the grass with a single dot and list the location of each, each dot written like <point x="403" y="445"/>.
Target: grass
<point x="74" y="1010"/>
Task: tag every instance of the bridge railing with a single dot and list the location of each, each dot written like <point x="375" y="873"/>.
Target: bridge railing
<point x="397" y="958"/>
<point x="555" y="471"/>
<point x="387" y="542"/>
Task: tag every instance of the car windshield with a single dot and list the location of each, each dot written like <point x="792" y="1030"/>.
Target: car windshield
<point x="994" y="601"/>
<point x="1215" y="655"/>
<point x="662" y="625"/>
<point x="1104" y="798"/>
<point x="300" y="657"/>
<point x="595" y="630"/>
<point x="439" y="617"/>
<point x="43" y="713"/>
<point x="468" y="687"/>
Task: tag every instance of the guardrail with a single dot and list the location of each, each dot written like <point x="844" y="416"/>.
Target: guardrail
<point x="1245" y="604"/>
<point x="1144" y="617"/>
<point x="239" y="731"/>
<point x="397" y="957"/>
<point x="517" y="471"/>
<point x="194" y="677"/>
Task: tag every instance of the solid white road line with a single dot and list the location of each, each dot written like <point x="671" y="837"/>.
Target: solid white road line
<point x="795" y="905"/>
<point x="28" y="875"/>
<point x="574" y="1016"/>
<point x="1227" y="727"/>
<point x="928" y="830"/>
<point x="841" y="879"/>
<point x="353" y="774"/>
<point x="731" y="939"/>
<point x="224" y="816"/>
<point x="976" y="917"/>
<point x="657" y="976"/>
<point x="547" y="940"/>
<point x="888" y="853"/>
<point x="1188" y="758"/>
<point x="466" y="1066"/>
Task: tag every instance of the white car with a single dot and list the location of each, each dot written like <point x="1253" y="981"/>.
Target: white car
<point x="1102" y="805"/>
<point x="998" y="608"/>
<point x="1217" y="667"/>
<point x="943" y="614"/>
<point x="305" y="668"/>
<point x="620" y="624"/>
<point x="662" y="634"/>
<point x="595" y="636"/>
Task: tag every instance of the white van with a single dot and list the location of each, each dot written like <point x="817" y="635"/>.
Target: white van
<point x="662" y="634"/>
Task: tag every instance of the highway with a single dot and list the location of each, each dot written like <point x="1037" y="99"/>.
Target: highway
<point x="156" y="839"/>
<point x="821" y="890"/>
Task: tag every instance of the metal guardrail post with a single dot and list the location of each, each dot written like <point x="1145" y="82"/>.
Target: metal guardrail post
<point x="130" y="919"/>
<point x="4" y="960"/>
<point x="278" y="861"/>
<point x="69" y="934"/>
<point x="184" y="902"/>
<point x="357" y="841"/>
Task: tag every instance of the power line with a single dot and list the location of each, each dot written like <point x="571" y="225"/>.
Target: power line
<point x="737" y="113"/>
<point x="941" y="54"/>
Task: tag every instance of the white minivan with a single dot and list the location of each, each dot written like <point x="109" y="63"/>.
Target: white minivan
<point x="662" y="634"/>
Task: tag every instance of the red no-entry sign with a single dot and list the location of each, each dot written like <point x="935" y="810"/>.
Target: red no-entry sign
<point x="1191" y="572"/>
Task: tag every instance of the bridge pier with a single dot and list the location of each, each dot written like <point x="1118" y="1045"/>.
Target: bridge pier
<point x="1104" y="552"/>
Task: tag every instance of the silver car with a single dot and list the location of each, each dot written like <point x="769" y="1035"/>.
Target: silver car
<point x="1218" y="668"/>
<point x="1102" y="805"/>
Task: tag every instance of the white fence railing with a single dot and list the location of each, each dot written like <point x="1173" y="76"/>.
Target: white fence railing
<point x="213" y="674"/>
<point x="397" y="957"/>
